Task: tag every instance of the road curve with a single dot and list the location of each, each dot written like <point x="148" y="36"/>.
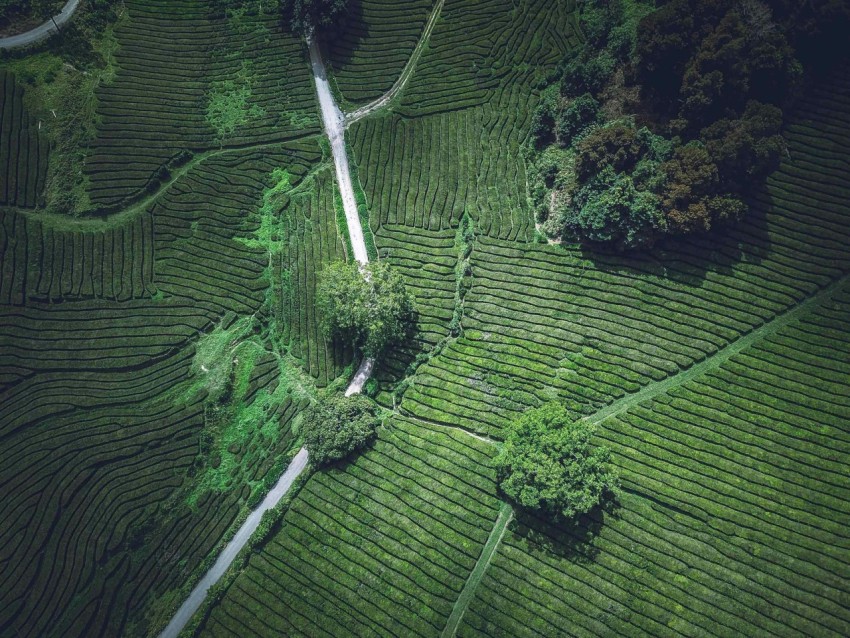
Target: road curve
<point x="232" y="549"/>
<point x="42" y="31"/>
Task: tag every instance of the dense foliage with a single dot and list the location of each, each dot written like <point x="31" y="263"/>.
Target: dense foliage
<point x="305" y="16"/>
<point x="368" y="305"/>
<point x="336" y="426"/>
<point x="11" y="10"/>
<point x="669" y="113"/>
<point x="547" y="463"/>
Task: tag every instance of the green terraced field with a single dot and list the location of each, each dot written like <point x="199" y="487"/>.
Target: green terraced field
<point x="368" y="53"/>
<point x="381" y="546"/>
<point x="173" y="59"/>
<point x="23" y="149"/>
<point x="736" y="513"/>
<point x="155" y="356"/>
<point x="98" y="339"/>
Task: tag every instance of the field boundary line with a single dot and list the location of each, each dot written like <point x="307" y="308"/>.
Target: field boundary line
<point x="139" y="203"/>
<point x="721" y="356"/>
<point x="506" y="514"/>
<point x="406" y="73"/>
<point x="443" y="426"/>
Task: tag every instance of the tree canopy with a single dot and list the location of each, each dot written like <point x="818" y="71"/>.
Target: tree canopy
<point x="368" y="305"/>
<point x="548" y="464"/>
<point x="335" y="426"/>
<point x="306" y="16"/>
<point x="683" y="100"/>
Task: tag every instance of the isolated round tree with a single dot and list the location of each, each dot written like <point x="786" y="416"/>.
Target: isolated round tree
<point x="369" y="306"/>
<point x="335" y="426"/>
<point x="548" y="464"/>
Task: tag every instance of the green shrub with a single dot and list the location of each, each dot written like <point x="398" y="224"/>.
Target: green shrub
<point x="548" y="464"/>
<point x="609" y="208"/>
<point x="575" y="119"/>
<point x="369" y="306"/>
<point x="336" y="426"/>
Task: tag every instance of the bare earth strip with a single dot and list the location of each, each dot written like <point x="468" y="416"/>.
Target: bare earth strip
<point x="42" y="31"/>
<point x="506" y="513"/>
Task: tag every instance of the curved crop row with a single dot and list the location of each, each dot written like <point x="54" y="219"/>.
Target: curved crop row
<point x="368" y="52"/>
<point x="50" y="264"/>
<point x="197" y="81"/>
<point x="383" y="545"/>
<point x="23" y="150"/>
<point x="427" y="172"/>
<point x="483" y="49"/>
<point x="428" y="264"/>
<point x="106" y="506"/>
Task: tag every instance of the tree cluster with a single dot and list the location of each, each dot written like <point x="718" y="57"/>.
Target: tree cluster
<point x="366" y="305"/>
<point x="669" y="113"/>
<point x="547" y="463"/>
<point x="336" y="425"/>
<point x="304" y="17"/>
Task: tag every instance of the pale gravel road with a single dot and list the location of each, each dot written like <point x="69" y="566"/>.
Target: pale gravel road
<point x="42" y="31"/>
<point x="232" y="549"/>
<point x="334" y="122"/>
<point x="335" y="128"/>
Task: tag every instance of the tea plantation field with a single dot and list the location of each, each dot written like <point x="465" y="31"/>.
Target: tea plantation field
<point x="156" y="351"/>
<point x="143" y="407"/>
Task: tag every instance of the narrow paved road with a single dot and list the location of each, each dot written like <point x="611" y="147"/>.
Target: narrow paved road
<point x="232" y="549"/>
<point x="42" y="31"/>
<point x="334" y="122"/>
<point x="335" y="129"/>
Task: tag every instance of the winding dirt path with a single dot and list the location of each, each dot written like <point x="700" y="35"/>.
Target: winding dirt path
<point x="43" y="31"/>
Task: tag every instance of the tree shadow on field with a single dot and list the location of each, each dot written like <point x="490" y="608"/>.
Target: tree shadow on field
<point x="688" y="260"/>
<point x="573" y="540"/>
<point x="341" y="41"/>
